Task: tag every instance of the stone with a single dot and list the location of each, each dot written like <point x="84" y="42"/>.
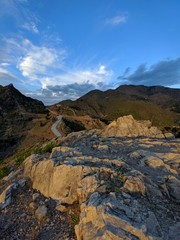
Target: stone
<point x="61" y="208"/>
<point x="32" y="205"/>
<point x="135" y="155"/>
<point x="59" y="182"/>
<point x="105" y="218"/>
<point x="41" y="212"/>
<point x="22" y="182"/>
<point x="134" y="185"/>
<point x="35" y="196"/>
<point x="102" y="189"/>
<point x="173" y="185"/>
<point x="154" y="162"/>
<point x="5" y="197"/>
<point x="86" y="186"/>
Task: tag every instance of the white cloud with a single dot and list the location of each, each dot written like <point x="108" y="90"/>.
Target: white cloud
<point x="4" y="64"/>
<point x="91" y="76"/>
<point x="117" y="20"/>
<point x="39" y="60"/>
<point x="31" y="60"/>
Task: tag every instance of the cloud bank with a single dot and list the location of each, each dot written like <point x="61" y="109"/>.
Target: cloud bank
<point x="165" y="73"/>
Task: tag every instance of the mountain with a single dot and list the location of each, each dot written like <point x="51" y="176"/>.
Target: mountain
<point x="18" y="114"/>
<point x="159" y="104"/>
<point x="12" y="100"/>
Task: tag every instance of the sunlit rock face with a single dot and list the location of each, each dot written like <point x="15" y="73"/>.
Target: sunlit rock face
<point x="125" y="186"/>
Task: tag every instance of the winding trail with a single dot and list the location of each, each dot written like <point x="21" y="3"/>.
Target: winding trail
<point x="54" y="129"/>
<point x="54" y="126"/>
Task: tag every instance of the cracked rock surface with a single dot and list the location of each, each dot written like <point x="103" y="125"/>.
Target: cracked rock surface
<point x="127" y="188"/>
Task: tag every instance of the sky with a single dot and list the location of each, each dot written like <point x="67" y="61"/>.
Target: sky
<point x="62" y="49"/>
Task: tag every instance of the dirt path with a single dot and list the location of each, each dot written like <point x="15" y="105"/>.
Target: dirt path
<point x="54" y="126"/>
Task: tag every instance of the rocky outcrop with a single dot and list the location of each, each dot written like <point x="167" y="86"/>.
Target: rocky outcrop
<point x="127" y="126"/>
<point x="126" y="188"/>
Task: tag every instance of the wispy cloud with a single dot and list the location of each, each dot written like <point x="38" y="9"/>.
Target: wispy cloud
<point x="166" y="73"/>
<point x="6" y="76"/>
<point x="117" y="20"/>
<point x="32" y="26"/>
<point x="39" y="60"/>
<point x="19" y="11"/>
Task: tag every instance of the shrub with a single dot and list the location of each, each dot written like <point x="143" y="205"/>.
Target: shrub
<point x="3" y="172"/>
<point x="74" y="220"/>
<point x="47" y="148"/>
<point x="20" y="157"/>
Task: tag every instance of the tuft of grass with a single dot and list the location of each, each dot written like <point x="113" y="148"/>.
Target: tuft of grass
<point x="116" y="183"/>
<point x="120" y="176"/>
<point x="74" y="220"/>
<point x="47" y="148"/>
<point x="20" y="157"/>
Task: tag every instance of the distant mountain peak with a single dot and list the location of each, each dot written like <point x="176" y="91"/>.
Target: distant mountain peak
<point x="12" y="99"/>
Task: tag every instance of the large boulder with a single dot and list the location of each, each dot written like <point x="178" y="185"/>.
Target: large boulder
<point x="66" y="183"/>
<point x="107" y="218"/>
<point x="127" y="126"/>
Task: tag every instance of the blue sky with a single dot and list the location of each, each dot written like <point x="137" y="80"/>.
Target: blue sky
<point x="61" y="49"/>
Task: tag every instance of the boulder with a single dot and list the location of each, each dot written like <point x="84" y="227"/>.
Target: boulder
<point x="134" y="185"/>
<point x="105" y="218"/>
<point x="127" y="126"/>
<point x="65" y="183"/>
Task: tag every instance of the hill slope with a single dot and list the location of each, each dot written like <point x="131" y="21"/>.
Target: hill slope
<point x="17" y="113"/>
<point x="159" y="104"/>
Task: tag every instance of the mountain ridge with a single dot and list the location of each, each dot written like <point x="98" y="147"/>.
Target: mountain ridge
<point x="144" y="103"/>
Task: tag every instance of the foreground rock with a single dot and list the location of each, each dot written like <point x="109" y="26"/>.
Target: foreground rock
<point x="126" y="188"/>
<point x="30" y="217"/>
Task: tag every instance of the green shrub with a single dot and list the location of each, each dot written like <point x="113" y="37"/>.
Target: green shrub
<point x="47" y="148"/>
<point x="3" y="172"/>
<point x="74" y="220"/>
<point x="20" y="157"/>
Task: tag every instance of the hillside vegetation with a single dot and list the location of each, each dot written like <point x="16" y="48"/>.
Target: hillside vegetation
<point x="157" y="104"/>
